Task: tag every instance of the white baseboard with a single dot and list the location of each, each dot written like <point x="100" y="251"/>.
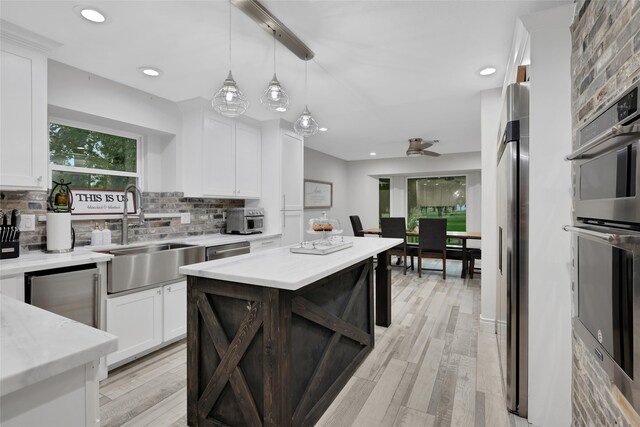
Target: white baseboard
<point x="487" y="325"/>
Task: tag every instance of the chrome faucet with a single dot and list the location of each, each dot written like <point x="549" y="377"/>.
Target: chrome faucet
<point x="125" y="216"/>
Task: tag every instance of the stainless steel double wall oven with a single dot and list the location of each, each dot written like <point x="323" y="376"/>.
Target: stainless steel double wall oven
<point x="606" y="245"/>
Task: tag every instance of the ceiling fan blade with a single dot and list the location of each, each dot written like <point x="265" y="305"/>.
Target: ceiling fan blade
<point x="426" y="145"/>
<point x="430" y="153"/>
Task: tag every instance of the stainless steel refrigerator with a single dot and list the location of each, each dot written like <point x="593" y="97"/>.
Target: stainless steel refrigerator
<point x="513" y="230"/>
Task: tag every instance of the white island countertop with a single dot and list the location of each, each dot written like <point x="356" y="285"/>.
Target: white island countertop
<point x="281" y="269"/>
<point x="38" y="344"/>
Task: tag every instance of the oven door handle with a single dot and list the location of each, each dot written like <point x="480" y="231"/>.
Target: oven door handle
<point x="606" y="237"/>
<point x="580" y="153"/>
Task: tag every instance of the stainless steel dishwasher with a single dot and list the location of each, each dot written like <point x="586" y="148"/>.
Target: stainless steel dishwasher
<point x="226" y="251"/>
<point x="71" y="292"/>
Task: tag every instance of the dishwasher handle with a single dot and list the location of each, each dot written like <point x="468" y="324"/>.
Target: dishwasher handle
<point x="225" y="251"/>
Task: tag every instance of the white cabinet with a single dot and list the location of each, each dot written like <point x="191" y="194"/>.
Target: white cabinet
<point x="221" y="157"/>
<point x="136" y="319"/>
<point x="13" y="287"/>
<point x="264" y="244"/>
<point x="282" y="180"/>
<point x="292" y="227"/>
<point x="292" y="171"/>
<point x="174" y="310"/>
<point x="23" y="114"/>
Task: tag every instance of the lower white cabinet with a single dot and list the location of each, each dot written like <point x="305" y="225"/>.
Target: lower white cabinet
<point x="136" y="319"/>
<point x="264" y="244"/>
<point x="146" y="319"/>
<point x="174" y="305"/>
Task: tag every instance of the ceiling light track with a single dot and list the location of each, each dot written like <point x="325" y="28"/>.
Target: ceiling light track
<point x="256" y="11"/>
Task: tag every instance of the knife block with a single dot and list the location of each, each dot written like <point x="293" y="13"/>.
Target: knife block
<point x="11" y="248"/>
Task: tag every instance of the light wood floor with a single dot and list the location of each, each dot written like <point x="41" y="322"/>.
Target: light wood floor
<point x="431" y="367"/>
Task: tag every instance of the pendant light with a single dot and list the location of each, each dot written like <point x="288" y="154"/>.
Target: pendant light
<point x="274" y="97"/>
<point x="306" y="125"/>
<point x="229" y="101"/>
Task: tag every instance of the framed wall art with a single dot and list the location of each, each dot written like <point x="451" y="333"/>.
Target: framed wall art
<point x="317" y="194"/>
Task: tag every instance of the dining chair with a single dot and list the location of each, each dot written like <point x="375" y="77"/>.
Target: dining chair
<point x="356" y="224"/>
<point x="396" y="227"/>
<point x="433" y="242"/>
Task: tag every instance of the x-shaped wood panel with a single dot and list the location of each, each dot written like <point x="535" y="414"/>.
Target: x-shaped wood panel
<point x="340" y="327"/>
<point x="230" y="355"/>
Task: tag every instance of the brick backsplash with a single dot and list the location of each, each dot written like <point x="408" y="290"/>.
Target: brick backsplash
<point x="207" y="217"/>
<point x="605" y="60"/>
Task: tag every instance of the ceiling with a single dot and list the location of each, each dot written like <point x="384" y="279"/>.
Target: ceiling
<point x="383" y="72"/>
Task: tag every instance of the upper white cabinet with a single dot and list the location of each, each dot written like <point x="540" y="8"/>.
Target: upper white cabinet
<point x="282" y="179"/>
<point x="292" y="171"/>
<point x="221" y="156"/>
<point x="23" y="109"/>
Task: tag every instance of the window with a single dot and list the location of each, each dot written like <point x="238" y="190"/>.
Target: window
<point x="439" y="197"/>
<point x="92" y="159"/>
<point x="384" y="199"/>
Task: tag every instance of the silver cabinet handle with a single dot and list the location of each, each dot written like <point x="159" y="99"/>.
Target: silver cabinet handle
<point x="97" y="300"/>
<point x="607" y="237"/>
<point x="168" y="288"/>
<point x="580" y="153"/>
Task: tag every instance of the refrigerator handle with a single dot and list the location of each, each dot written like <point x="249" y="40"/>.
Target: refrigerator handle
<point x="97" y="300"/>
<point x="500" y="249"/>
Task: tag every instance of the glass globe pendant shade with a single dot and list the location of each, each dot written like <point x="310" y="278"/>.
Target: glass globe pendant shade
<point x="274" y="97"/>
<point x="229" y="101"/>
<point x="306" y="125"/>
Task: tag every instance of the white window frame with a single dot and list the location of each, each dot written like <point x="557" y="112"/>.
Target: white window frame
<point x="138" y="175"/>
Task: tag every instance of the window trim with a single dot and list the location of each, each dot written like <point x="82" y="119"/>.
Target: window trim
<point x="139" y="174"/>
<point x="406" y="186"/>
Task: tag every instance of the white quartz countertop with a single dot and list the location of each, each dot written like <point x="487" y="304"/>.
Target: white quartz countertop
<point x="37" y="344"/>
<point x="281" y="269"/>
<point x="34" y="261"/>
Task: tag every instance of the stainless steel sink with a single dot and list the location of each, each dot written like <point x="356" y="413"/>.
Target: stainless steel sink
<point x="148" y="265"/>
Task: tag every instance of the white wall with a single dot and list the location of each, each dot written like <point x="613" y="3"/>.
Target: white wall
<point x="322" y="167"/>
<point x="490" y="109"/>
<point x="550" y="208"/>
<point x="363" y="180"/>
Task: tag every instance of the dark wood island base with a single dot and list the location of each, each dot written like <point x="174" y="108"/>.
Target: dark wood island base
<point x="273" y="357"/>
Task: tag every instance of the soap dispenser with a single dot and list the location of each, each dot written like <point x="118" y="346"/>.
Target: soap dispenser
<point x="106" y="234"/>
<point x="96" y="236"/>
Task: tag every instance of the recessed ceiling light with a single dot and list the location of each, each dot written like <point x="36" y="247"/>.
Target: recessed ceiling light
<point x="373" y="154"/>
<point x="92" y="15"/>
<point x="150" y="71"/>
<point x="323" y="129"/>
<point x="487" y="71"/>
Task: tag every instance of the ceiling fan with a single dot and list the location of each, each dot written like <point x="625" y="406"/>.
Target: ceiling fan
<point x="418" y="147"/>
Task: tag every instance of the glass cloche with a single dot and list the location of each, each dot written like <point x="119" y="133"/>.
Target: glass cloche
<point x="324" y="226"/>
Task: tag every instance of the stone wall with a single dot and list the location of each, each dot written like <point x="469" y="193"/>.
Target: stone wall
<point x="605" y="61"/>
<point x="207" y="217"/>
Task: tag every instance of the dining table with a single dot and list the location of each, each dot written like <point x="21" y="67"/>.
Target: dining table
<point x="463" y="236"/>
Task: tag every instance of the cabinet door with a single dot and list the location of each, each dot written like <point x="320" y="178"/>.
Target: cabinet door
<point x="136" y="319"/>
<point x="174" y="310"/>
<point x="292" y="171"/>
<point x="292" y="227"/>
<point x="23" y="114"/>
<point x="248" y="161"/>
<point x="218" y="157"/>
<point x="13" y="287"/>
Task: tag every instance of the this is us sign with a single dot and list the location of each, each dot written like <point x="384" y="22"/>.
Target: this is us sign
<point x="101" y="202"/>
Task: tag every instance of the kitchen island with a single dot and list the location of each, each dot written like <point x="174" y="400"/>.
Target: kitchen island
<point x="273" y="337"/>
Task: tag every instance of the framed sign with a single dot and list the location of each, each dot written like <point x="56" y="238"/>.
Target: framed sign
<point x="101" y="202"/>
<point x="317" y="194"/>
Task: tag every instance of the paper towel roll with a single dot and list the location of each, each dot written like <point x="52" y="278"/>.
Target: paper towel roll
<point x="59" y="231"/>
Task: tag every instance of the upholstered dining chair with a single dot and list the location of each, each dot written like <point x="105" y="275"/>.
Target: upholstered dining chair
<point x="356" y="224"/>
<point x="433" y="242"/>
<point x="396" y="228"/>
<point x="473" y="254"/>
